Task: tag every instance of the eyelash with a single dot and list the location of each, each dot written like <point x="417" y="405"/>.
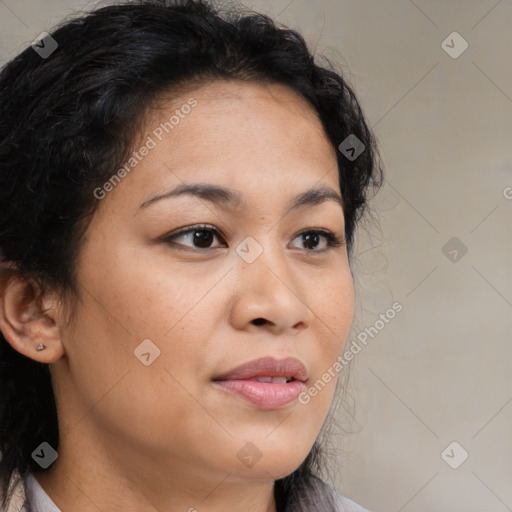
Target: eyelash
<point x="332" y="239"/>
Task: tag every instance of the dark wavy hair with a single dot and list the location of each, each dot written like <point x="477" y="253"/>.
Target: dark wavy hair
<point x="69" y="120"/>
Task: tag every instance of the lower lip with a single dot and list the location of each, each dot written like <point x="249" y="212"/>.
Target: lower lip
<point x="264" y="395"/>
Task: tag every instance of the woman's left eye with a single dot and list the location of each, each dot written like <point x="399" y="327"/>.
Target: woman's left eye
<point x="313" y="236"/>
<point x="201" y="237"/>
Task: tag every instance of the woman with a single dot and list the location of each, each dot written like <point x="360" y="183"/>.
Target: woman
<point x="179" y="194"/>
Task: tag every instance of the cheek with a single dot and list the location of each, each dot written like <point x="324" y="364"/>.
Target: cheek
<point x="128" y="299"/>
<point x="114" y="388"/>
<point x="336" y="313"/>
<point x="337" y="306"/>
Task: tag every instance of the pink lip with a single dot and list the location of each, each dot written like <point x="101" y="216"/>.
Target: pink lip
<point x="262" y="394"/>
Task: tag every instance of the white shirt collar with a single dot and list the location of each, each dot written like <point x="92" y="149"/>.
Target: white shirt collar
<point x="38" y="500"/>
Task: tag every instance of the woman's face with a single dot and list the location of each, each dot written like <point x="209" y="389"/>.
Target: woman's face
<point x="196" y="295"/>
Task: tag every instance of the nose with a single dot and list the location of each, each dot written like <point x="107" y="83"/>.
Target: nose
<point x="269" y="295"/>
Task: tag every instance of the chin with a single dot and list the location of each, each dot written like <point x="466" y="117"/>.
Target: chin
<point x="266" y="463"/>
<point x="265" y="472"/>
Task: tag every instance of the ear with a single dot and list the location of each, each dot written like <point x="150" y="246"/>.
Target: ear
<point x="27" y="319"/>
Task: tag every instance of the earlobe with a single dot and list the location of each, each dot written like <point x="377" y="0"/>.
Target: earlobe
<point x="29" y="323"/>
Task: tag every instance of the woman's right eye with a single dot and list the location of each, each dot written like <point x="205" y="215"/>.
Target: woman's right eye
<point x="199" y="237"/>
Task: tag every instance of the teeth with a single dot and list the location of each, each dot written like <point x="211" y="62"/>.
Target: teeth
<point x="264" y="379"/>
<point x="273" y="380"/>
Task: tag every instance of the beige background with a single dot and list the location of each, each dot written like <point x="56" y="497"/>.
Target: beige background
<point x="440" y="370"/>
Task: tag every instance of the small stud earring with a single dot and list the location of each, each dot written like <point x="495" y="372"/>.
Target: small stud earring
<point x="41" y="346"/>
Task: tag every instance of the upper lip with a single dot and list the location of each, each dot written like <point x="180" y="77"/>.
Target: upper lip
<point x="290" y="368"/>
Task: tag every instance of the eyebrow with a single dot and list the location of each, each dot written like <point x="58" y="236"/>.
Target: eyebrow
<point x="225" y="196"/>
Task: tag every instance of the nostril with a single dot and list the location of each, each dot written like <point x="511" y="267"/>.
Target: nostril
<point x="258" y="321"/>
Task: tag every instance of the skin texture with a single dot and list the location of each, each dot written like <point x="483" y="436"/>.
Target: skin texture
<point x="163" y="437"/>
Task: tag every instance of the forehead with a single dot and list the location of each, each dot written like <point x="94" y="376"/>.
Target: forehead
<point x="236" y="110"/>
<point x="244" y="135"/>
